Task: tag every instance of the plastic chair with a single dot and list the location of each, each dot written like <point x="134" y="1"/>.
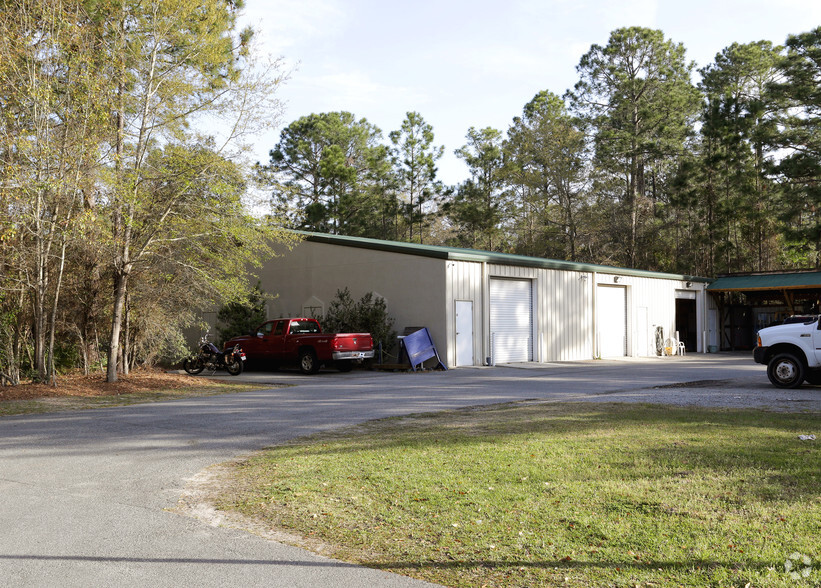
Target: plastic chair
<point x="681" y="348"/>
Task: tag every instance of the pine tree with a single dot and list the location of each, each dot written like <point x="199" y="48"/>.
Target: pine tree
<point x="636" y="96"/>
<point x="547" y="166"/>
<point x="330" y="174"/>
<point x="796" y="137"/>
<point x="476" y="210"/>
<point x="415" y="158"/>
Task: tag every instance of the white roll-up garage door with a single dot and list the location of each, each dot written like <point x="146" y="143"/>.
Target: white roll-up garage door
<point x="611" y="320"/>
<point x="511" y="320"/>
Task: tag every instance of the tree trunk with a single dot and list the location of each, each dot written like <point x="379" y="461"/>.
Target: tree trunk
<point x="39" y="334"/>
<point x="120" y="289"/>
<point x="631" y="204"/>
<point x="53" y="325"/>
<point x="121" y="273"/>
<point x="126" y="336"/>
<point x="40" y="294"/>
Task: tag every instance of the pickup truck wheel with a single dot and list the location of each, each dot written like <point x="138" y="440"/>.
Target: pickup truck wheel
<point x="786" y="371"/>
<point x="308" y="362"/>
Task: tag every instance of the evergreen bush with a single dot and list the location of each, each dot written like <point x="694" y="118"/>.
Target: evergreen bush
<point x="367" y="315"/>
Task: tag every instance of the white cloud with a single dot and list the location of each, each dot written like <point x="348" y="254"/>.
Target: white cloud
<point x="285" y="24"/>
<point x="579" y="18"/>
<point x="628" y="13"/>
<point x="468" y="63"/>
<point x="356" y="90"/>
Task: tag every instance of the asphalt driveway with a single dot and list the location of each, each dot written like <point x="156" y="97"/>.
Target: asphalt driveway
<point x="87" y="497"/>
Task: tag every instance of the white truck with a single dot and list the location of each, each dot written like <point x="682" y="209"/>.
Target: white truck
<point x="791" y="352"/>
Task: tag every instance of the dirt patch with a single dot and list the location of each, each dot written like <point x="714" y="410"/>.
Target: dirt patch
<point x="93" y="385"/>
<point x="203" y="491"/>
<point x="696" y="384"/>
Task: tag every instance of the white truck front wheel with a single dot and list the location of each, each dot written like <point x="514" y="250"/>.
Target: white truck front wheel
<point x="785" y="371"/>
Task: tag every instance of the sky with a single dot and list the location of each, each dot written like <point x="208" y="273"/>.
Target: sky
<point x="476" y="63"/>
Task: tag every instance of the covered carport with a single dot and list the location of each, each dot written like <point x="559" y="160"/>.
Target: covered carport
<point x="749" y="302"/>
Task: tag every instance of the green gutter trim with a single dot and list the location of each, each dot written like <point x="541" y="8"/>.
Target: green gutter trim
<point x="457" y="254"/>
<point x="770" y="281"/>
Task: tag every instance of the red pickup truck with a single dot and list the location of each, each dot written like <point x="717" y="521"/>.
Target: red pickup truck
<point x="301" y="341"/>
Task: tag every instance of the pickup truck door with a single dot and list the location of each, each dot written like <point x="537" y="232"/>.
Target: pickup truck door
<point x="276" y="343"/>
<point x="258" y="347"/>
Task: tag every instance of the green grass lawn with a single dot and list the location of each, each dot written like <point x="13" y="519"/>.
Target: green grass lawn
<point x="555" y="495"/>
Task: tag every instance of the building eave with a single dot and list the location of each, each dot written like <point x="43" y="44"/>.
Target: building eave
<point x="473" y="255"/>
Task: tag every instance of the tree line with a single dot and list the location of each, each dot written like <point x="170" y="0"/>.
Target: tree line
<point x="123" y="188"/>
<point x="118" y="218"/>
<point x="636" y="165"/>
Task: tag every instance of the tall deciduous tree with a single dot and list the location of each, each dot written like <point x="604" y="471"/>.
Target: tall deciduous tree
<point x="53" y="115"/>
<point x="637" y="97"/>
<point x="170" y="61"/>
<point x="415" y="160"/>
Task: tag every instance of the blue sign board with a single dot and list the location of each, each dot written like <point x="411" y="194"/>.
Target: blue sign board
<point x="419" y="347"/>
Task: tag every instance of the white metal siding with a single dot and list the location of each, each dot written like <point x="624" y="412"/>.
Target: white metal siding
<point x="464" y="282"/>
<point x="659" y="296"/>
<point x="511" y="320"/>
<point x="566" y="300"/>
<point x="562" y="303"/>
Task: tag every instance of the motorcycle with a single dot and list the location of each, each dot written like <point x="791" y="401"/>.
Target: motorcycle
<point x="210" y="357"/>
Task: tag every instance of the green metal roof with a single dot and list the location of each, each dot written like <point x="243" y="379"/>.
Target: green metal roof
<point x="457" y="254"/>
<point x="785" y="281"/>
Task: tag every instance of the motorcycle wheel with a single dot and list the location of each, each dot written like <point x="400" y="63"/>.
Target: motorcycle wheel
<point x="234" y="368"/>
<point x="193" y="365"/>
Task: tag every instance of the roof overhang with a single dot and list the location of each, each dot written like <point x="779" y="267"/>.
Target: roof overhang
<point x="767" y="282"/>
<point x="458" y="254"/>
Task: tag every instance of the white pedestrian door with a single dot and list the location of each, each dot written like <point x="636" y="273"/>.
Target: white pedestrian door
<point x="511" y="320"/>
<point x="464" y="332"/>
<point x="611" y="320"/>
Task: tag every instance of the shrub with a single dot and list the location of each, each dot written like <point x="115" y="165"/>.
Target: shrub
<point x="241" y="317"/>
<point x="368" y="315"/>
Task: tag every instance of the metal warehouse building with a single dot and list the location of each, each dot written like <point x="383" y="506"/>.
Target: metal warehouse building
<point x="481" y="306"/>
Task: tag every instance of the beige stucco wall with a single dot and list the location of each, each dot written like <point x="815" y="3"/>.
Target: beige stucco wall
<point x="412" y="286"/>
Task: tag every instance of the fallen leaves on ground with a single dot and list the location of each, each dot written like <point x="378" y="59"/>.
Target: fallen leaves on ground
<point x="81" y="385"/>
